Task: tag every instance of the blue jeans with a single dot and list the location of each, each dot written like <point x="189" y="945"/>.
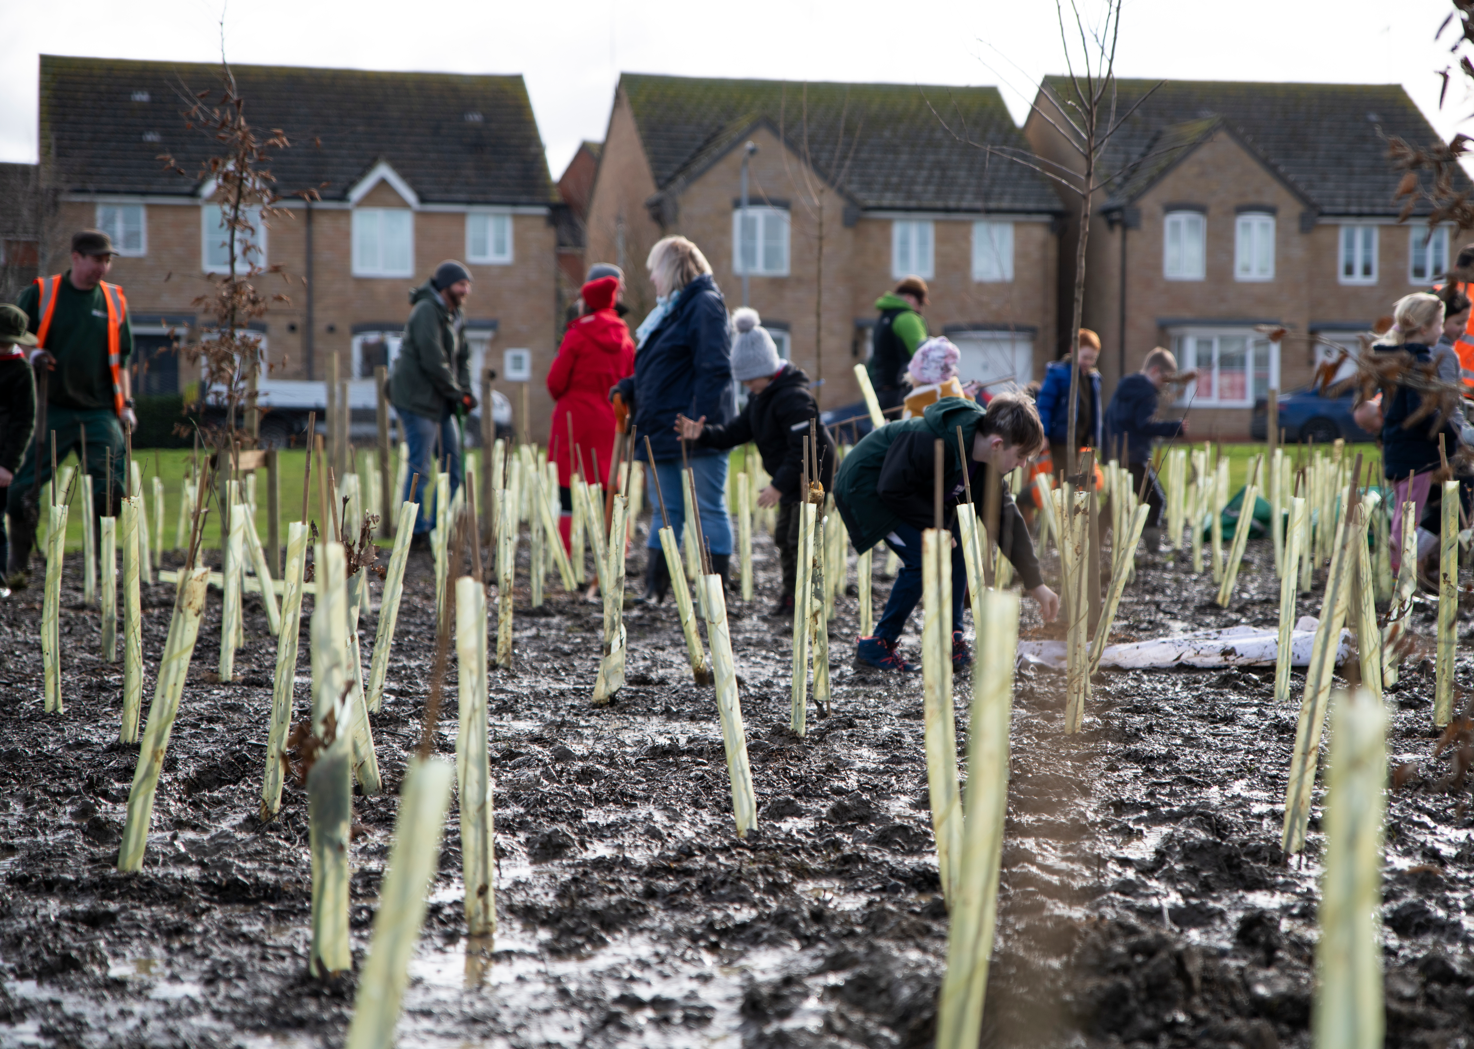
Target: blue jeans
<point x="711" y="482"/>
<point x="430" y="441"/>
<point x="906" y="593"/>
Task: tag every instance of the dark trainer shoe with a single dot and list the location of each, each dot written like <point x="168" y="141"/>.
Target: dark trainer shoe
<point x="961" y="654"/>
<point x="881" y="654"/>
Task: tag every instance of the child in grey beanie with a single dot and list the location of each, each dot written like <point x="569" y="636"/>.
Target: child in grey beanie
<point x="754" y="354"/>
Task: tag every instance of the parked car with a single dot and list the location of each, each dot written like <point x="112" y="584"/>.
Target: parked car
<point x="1311" y="414"/>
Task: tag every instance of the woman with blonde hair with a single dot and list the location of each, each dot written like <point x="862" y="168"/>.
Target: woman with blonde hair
<point x="1410" y="449"/>
<point x="683" y="366"/>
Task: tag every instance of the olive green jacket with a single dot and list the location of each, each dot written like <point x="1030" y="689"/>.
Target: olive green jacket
<point x="433" y="370"/>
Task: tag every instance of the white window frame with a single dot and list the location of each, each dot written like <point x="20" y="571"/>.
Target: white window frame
<point x="1188" y="361"/>
<point x="216" y="236"/>
<point x="1423" y="242"/>
<point x="1250" y="229"/>
<point x="906" y="232"/>
<point x="362" y="215"/>
<point x="784" y="341"/>
<point x="115" y="229"/>
<point x="1181" y="220"/>
<point x="489" y="257"/>
<point x="393" y="338"/>
<point x="992" y="252"/>
<point x="1357" y="235"/>
<point x="773" y="230"/>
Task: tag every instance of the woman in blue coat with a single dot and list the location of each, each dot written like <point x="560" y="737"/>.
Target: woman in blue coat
<point x="683" y="366"/>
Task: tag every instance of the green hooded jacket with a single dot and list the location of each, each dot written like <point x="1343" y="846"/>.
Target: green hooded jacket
<point x="433" y="369"/>
<point x="894" y="343"/>
<point x="870" y="517"/>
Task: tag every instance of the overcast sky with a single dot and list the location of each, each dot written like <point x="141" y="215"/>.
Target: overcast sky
<point x="572" y="52"/>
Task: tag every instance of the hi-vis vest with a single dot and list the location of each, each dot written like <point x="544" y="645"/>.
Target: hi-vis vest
<point x="1464" y="344"/>
<point x="117" y="312"/>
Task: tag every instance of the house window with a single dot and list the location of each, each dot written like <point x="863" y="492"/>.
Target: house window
<point x="1182" y="246"/>
<point x="1233" y="368"/>
<point x="1428" y="254"/>
<point x="250" y="249"/>
<point x="992" y="251"/>
<point x="373" y="348"/>
<point x="383" y="242"/>
<point x="1254" y="247"/>
<point x="1358" y="257"/>
<point x="782" y="341"/>
<point x="760" y="244"/>
<point x="911" y="249"/>
<point x="123" y="223"/>
<point x="488" y="238"/>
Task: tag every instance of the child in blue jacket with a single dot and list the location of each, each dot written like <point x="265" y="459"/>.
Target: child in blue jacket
<point x="1129" y="421"/>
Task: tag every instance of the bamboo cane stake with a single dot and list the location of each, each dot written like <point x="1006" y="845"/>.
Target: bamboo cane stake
<point x="729" y="706"/>
<point x="1368" y="634"/>
<point x="803" y="597"/>
<point x="478" y="858"/>
<point x="744" y="532"/>
<point x="51" y="607"/>
<point x="941" y="744"/>
<point x="286" y="669"/>
<point x="413" y="860"/>
<point x="975" y="912"/>
<point x="1317" y="689"/>
<point x="1448" y="605"/>
<point x="1407" y="587"/>
<point x="330" y="783"/>
<point x="1122" y="565"/>
<point x="872" y="403"/>
<point x="1240" y="539"/>
<point x="183" y="630"/>
<point x="110" y="589"/>
<point x="1349" y="1008"/>
<point x="1289" y="572"/>
<point x="506" y="557"/>
<point x="611" y="667"/>
<point x="389" y="600"/>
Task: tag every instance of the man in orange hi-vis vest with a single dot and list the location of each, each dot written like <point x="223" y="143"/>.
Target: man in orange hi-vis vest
<point x="1461" y="275"/>
<point x="83" y="341"/>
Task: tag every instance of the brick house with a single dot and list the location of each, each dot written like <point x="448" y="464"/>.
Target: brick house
<point x="1235" y="205"/>
<point x="851" y="187"/>
<point x="575" y="186"/>
<point x="412" y="168"/>
<point x="20" y="227"/>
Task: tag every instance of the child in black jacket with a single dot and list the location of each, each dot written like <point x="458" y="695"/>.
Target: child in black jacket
<point x="1129" y="420"/>
<point x="17" y="403"/>
<point x="776" y="419"/>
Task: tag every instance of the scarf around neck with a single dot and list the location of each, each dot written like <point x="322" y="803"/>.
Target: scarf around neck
<point x="663" y="306"/>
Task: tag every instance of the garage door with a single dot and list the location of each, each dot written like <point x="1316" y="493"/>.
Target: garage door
<point x="999" y="359"/>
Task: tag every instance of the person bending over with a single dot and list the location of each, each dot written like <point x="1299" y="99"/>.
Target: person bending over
<point x="885" y="490"/>
<point x="779" y="407"/>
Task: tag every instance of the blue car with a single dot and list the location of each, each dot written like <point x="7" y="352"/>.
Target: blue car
<point x="1309" y="415"/>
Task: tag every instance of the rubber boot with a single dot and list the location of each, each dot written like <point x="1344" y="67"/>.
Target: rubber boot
<point x="565" y="529"/>
<point x="657" y="578"/>
<point x="22" y="534"/>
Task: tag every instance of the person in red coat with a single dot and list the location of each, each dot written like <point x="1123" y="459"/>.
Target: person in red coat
<point x="596" y="353"/>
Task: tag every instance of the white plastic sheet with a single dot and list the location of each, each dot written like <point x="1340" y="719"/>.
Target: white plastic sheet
<point x="1236" y="646"/>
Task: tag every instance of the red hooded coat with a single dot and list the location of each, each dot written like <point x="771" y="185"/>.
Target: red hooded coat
<point x="597" y="352"/>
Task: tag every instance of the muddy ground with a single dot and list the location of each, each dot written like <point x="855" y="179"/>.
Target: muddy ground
<point x="1144" y="900"/>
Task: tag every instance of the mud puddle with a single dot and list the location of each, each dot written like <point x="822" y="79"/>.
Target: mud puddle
<point x="1144" y="899"/>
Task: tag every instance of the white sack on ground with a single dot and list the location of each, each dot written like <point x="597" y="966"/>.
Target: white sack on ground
<point x="1235" y="646"/>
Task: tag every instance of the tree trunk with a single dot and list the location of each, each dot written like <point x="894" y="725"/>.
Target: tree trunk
<point x="1072" y="444"/>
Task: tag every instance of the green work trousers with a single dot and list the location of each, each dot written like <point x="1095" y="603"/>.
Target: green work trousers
<point x="104" y="434"/>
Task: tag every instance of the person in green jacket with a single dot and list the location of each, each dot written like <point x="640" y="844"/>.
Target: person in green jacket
<point x="82" y="392"/>
<point x="430" y="386"/>
<point x="885" y="491"/>
<point x="898" y="331"/>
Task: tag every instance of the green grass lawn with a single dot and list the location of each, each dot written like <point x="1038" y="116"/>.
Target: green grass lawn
<point x="1240" y="454"/>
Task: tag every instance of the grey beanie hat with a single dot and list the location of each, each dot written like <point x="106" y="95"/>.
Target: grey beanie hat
<point x="447" y="273"/>
<point x="603" y="269"/>
<point x="754" y="354"/>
